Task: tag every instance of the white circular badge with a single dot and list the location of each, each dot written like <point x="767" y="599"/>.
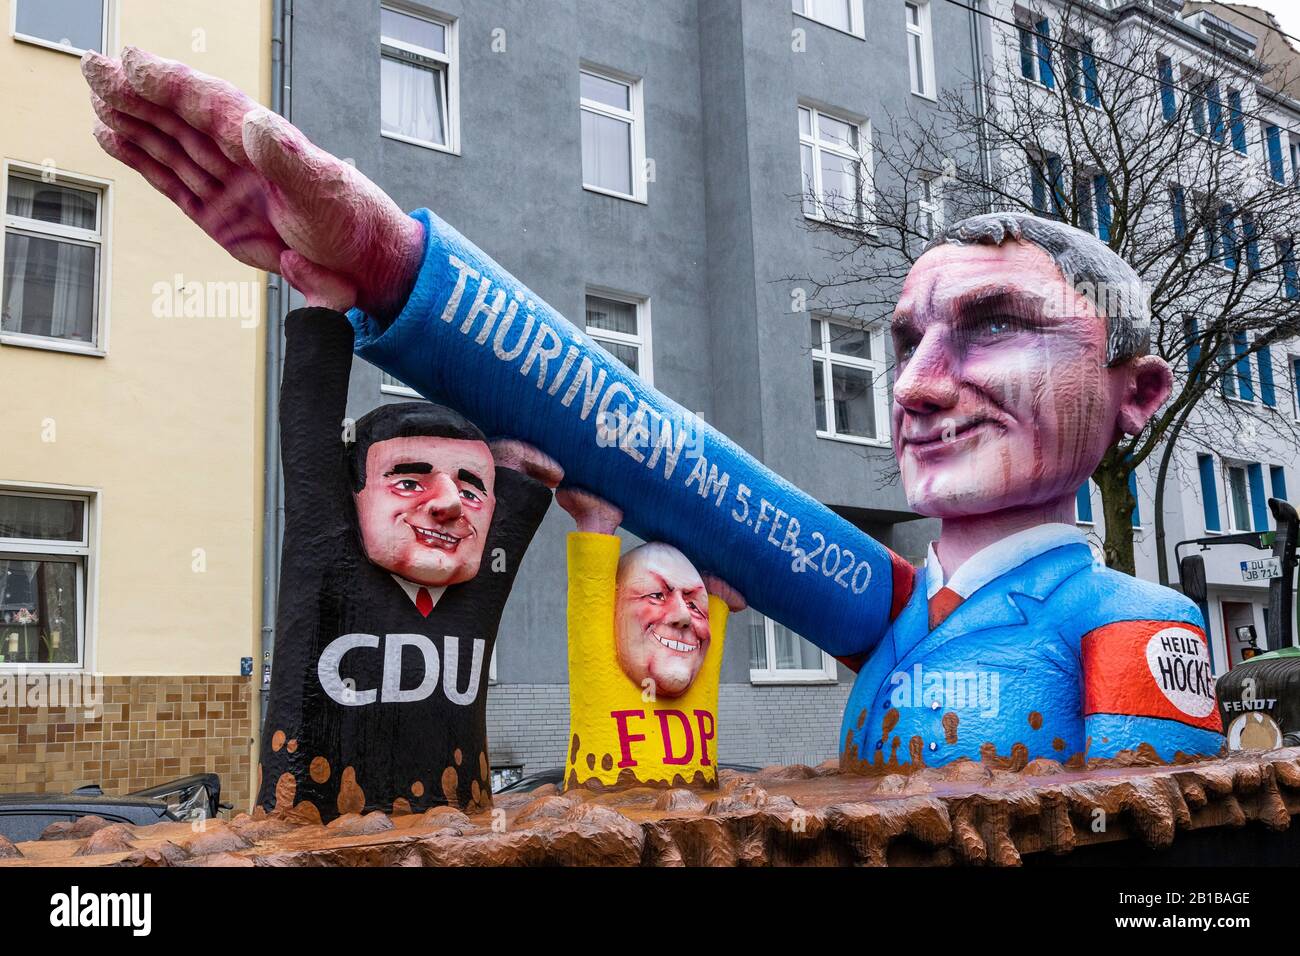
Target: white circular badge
<point x="1180" y="664"/>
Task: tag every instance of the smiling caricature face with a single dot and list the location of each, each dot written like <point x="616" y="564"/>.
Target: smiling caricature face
<point x="426" y="507"/>
<point x="661" y="619"/>
<point x="1003" y="397"/>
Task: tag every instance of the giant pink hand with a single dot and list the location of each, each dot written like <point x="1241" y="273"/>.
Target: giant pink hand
<point x="255" y="183"/>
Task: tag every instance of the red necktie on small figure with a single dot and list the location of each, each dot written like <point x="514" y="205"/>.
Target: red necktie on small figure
<point x="424" y="601"/>
<point x="944" y="602"/>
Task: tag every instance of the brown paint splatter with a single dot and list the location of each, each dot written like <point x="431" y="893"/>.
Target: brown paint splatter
<point x="916" y="750"/>
<point x="573" y="749"/>
<point x="591" y="761"/>
<point x="417" y="789"/>
<point x="292" y="746"/>
<point x="484" y="771"/>
<point x="888" y="722"/>
<point x="286" y="787"/>
<point x="277" y="740"/>
<point x="457" y="756"/>
<point x="474" y="790"/>
<point x="401" y="807"/>
<point x="950" y="721"/>
<point x="307" y="812"/>
<point x="352" y="799"/>
<point x="1058" y="743"/>
<point x="450" y="782"/>
<point x="607" y="762"/>
<point x="1035" y="720"/>
<point x="862" y="719"/>
<point x="319" y="769"/>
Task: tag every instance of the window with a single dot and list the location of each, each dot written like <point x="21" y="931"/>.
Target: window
<point x="1267" y="388"/>
<point x="1209" y="493"/>
<point x="613" y="151"/>
<point x="834" y="172"/>
<point x="1236" y="123"/>
<point x="1273" y="149"/>
<point x="920" y="52"/>
<point x="930" y="206"/>
<point x="1083" y="503"/>
<point x="1238" y="497"/>
<point x="391" y="385"/>
<point x="1047" y="186"/>
<point x="1290" y="275"/>
<point x="418" y="86"/>
<point x="72" y="25"/>
<point x="44" y="547"/>
<point x="1036" y="52"/>
<point x="1207" y="109"/>
<point x="1081" y="71"/>
<point x="1295" y="383"/>
<point x="843" y="15"/>
<point x="779" y="655"/>
<point x="621" y="326"/>
<point x="1293" y="147"/>
<point x="53" y="245"/>
<point x="1168" y="104"/>
<point x="1092" y="201"/>
<point x="1178" y="211"/>
<point x="849" y="381"/>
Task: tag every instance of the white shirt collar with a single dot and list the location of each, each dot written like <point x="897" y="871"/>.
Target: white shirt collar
<point x="995" y="560"/>
<point x="412" y="589"/>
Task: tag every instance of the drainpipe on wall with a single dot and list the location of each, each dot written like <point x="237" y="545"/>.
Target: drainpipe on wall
<point x="281" y="19"/>
<point x="981" y="104"/>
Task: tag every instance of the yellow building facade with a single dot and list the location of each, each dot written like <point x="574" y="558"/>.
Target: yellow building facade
<point x="131" y="365"/>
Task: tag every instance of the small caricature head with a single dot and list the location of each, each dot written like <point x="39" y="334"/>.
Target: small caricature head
<point x="423" y="482"/>
<point x="1021" y="356"/>
<point x="661" y="618"/>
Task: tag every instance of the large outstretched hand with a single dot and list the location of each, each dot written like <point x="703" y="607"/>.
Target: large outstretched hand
<point x="255" y="183"/>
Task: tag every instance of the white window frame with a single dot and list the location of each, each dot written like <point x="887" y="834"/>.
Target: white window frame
<point x="1293" y="371"/>
<point x="1029" y="24"/>
<point x="99" y="237"/>
<point x="389" y="385"/>
<point x="641" y="341"/>
<point x="932" y="207"/>
<point x="824" y="358"/>
<point x="923" y="31"/>
<point x="450" y="63"/>
<point x="1088" y="483"/>
<point x="635" y="118"/>
<point x="826" y="674"/>
<point x="863" y="156"/>
<point x="87" y="550"/>
<point x="110" y="10"/>
<point x="856" y="28"/>
<point x="1228" y="466"/>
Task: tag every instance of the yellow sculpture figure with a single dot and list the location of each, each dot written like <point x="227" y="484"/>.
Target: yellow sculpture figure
<point x="646" y="633"/>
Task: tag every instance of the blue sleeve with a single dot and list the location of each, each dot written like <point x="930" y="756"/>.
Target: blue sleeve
<point x="474" y="338"/>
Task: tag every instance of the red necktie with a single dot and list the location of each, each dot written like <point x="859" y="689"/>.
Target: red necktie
<point x="424" y="601"/>
<point x="944" y="602"/>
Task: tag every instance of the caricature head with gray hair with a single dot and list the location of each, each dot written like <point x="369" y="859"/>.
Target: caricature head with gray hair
<point x="1022" y="356"/>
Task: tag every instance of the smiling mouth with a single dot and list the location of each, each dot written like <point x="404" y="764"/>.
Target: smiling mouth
<point x="672" y="645"/>
<point x="432" y="538"/>
<point x="941" y="438"/>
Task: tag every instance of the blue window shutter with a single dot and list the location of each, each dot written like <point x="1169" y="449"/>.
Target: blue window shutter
<point x="1228" y="224"/>
<point x="1251" y="235"/>
<point x="1277" y="477"/>
<point x="1101" y="190"/>
<point x="1290" y="278"/>
<point x="1038" y="185"/>
<point x="1267" y="393"/>
<point x="1273" y="139"/>
<point x="1026" y="54"/>
<point x="1091" y="90"/>
<point x="1045" y="74"/>
<point x="1136" y="517"/>
<point x="1167" y="104"/>
<point x="1258" y="501"/>
<point x="1209" y="492"/>
<point x="1245" y="386"/>
<point x="1193" y="334"/>
<point x="1056" y="177"/>
<point x="1179" y="206"/>
<point x="1295" y="377"/>
<point x="1235" y="122"/>
<point x="1083" y="502"/>
<point x="1216" y="112"/>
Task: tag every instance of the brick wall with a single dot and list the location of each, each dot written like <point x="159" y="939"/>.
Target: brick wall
<point x="528" y="724"/>
<point x="151" y="730"/>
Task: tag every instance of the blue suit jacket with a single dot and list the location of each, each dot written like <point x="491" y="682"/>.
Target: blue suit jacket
<point x="1007" y="668"/>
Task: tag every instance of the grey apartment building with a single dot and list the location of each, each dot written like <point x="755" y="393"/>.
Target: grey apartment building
<point x="640" y="166"/>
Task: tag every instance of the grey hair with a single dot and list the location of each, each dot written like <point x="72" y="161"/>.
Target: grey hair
<point x="1088" y="265"/>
